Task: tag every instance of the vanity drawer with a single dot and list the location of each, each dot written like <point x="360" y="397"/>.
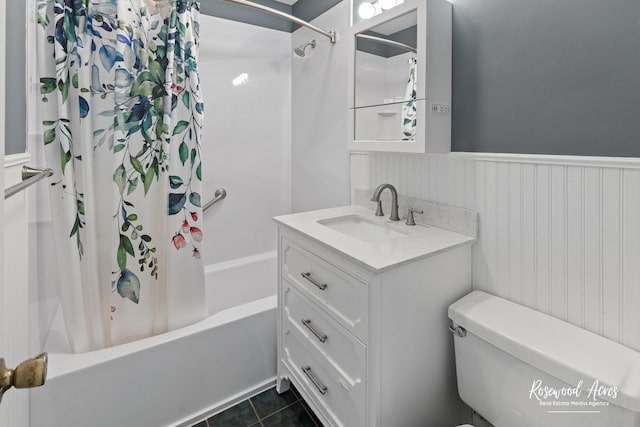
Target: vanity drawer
<point x="341" y="349"/>
<point x="342" y="401"/>
<point x="339" y="294"/>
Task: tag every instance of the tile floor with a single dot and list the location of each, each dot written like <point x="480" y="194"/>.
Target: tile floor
<point x="267" y="409"/>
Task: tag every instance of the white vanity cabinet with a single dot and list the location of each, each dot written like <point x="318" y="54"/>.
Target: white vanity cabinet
<point x="365" y="346"/>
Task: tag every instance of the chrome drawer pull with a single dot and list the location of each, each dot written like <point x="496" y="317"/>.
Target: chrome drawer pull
<point x="321" y="337"/>
<point x="321" y="286"/>
<point x="321" y="388"/>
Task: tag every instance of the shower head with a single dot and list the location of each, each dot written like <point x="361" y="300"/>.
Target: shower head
<point x="300" y="50"/>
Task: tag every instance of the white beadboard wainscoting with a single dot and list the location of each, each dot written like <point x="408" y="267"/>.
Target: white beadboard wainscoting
<point x="558" y="234"/>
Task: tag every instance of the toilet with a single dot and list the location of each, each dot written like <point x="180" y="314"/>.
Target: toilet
<point x="517" y="367"/>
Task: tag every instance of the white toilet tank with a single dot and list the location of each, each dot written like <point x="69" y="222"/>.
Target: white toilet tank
<point x="518" y="367"/>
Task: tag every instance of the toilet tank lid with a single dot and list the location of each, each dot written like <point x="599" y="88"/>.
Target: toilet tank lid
<point x="567" y="352"/>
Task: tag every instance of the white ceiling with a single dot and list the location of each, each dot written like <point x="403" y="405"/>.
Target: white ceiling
<point x="289" y="2"/>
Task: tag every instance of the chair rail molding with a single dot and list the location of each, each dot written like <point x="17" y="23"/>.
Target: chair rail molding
<point x="548" y="159"/>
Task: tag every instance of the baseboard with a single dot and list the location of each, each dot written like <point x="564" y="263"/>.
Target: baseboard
<point x="226" y="404"/>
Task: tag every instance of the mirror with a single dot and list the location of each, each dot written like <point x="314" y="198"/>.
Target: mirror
<point x="385" y="80"/>
<point x="386" y="62"/>
<point x="392" y="53"/>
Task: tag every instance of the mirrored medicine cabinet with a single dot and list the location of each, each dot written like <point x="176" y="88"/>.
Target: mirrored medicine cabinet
<point x="400" y="77"/>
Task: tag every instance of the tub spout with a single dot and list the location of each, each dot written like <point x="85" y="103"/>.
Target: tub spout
<point x="30" y="373"/>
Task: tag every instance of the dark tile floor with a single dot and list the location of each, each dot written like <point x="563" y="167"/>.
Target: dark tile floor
<point x="267" y="409"/>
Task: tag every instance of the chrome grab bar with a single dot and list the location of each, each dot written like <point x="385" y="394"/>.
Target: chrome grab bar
<point x="321" y="388"/>
<point x="220" y="194"/>
<point x="330" y="34"/>
<point x="321" y="286"/>
<point x="29" y="177"/>
<point x="321" y="337"/>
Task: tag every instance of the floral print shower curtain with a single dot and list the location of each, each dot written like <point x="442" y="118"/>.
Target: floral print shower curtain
<point x="122" y="114"/>
<point x="409" y="109"/>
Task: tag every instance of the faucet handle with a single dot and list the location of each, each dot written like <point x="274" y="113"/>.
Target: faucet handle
<point x="410" y="219"/>
<point x="379" y="209"/>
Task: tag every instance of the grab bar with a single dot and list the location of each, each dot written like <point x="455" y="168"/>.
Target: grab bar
<point x="29" y="177"/>
<point x="220" y="194"/>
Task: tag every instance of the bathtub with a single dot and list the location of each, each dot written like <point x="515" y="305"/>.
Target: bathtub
<point x="182" y="376"/>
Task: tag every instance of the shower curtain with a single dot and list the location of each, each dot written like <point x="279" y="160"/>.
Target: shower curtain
<point x="122" y="116"/>
<point x="409" y="110"/>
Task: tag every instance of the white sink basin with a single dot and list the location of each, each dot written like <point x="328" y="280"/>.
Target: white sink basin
<point x="364" y="229"/>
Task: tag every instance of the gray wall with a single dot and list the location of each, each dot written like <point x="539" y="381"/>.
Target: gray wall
<point x="248" y="15"/>
<point x="544" y="76"/>
<point x="311" y="9"/>
<point x="15" y="132"/>
<point x="304" y="9"/>
<point x="547" y="76"/>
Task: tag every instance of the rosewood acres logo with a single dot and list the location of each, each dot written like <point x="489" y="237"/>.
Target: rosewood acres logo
<point x="573" y="399"/>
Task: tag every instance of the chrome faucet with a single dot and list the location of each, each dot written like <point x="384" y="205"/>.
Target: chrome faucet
<point x="394" y="201"/>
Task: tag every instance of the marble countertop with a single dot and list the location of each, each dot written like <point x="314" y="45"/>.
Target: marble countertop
<point x="421" y="241"/>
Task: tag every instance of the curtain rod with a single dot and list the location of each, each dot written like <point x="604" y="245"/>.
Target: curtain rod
<point x="330" y="34"/>
<point x="389" y="42"/>
<point x="29" y="177"/>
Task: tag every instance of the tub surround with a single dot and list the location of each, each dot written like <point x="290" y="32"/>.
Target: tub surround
<point x="360" y="320"/>
<point x="319" y="160"/>
<point x="251" y="162"/>
<point x="419" y="242"/>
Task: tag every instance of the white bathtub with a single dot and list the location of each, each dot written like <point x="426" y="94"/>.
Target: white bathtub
<point x="180" y="377"/>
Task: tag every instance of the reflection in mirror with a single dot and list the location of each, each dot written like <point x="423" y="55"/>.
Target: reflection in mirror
<point x="386" y="64"/>
<point x="385" y="58"/>
<point x="387" y="42"/>
<point x="389" y="122"/>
